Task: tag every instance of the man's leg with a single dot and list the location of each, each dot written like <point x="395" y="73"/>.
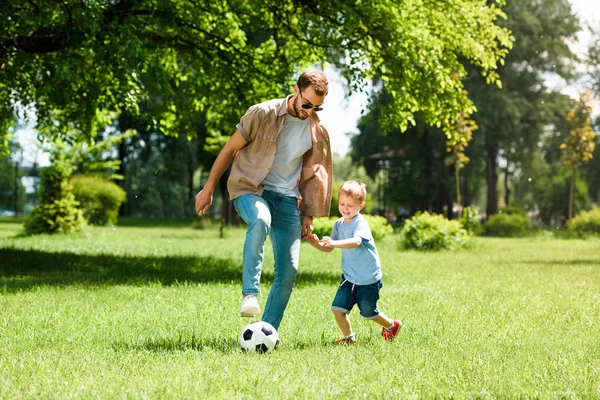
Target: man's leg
<point x="254" y="210"/>
<point x="285" y="235"/>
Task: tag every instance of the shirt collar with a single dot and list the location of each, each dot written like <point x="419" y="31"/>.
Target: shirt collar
<point x="282" y="110"/>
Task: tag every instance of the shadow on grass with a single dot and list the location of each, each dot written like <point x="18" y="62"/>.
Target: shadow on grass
<point x="28" y="269"/>
<point x="566" y="263"/>
<point x="159" y="345"/>
<point x="227" y="345"/>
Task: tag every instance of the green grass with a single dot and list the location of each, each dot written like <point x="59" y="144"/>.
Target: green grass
<point x="149" y="311"/>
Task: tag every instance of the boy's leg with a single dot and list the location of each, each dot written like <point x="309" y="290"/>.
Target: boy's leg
<point x="342" y="305"/>
<point x="285" y="234"/>
<point x="383" y="320"/>
<point x="343" y="322"/>
<point x="254" y="210"/>
<point x="366" y="298"/>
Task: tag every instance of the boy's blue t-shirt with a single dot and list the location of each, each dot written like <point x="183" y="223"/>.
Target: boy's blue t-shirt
<point x="360" y="265"/>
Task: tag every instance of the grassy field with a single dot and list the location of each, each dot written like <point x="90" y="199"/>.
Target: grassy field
<point x="144" y="311"/>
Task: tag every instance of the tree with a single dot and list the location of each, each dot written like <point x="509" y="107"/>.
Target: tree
<point x="412" y="164"/>
<point x="76" y="61"/>
<point x="513" y="119"/>
<point x="579" y="146"/>
<point x="456" y="144"/>
<point x="57" y="210"/>
<point x="593" y="61"/>
<point x="12" y="191"/>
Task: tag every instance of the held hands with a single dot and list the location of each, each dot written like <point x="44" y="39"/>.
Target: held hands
<point x="326" y="242"/>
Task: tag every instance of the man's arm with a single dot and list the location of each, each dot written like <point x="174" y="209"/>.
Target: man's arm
<point x="205" y="196"/>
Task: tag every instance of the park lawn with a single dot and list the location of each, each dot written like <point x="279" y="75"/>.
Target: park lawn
<point x="142" y="311"/>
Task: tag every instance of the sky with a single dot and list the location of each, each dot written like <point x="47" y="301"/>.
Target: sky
<point x="341" y="113"/>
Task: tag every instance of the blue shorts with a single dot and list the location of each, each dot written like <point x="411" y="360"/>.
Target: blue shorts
<point x="366" y="296"/>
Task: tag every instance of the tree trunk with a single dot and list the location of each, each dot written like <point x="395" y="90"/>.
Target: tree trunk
<point x="427" y="172"/>
<point x="465" y="183"/>
<point x="189" y="208"/>
<point x="457" y="182"/>
<point x="225" y="219"/>
<point x="491" y="176"/>
<point x="571" y="196"/>
<point x="506" y="188"/>
<point x="122" y="154"/>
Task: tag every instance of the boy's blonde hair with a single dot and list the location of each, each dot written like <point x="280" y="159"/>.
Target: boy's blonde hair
<point x="354" y="189"/>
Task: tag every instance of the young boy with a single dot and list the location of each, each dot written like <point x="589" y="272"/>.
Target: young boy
<point x="361" y="268"/>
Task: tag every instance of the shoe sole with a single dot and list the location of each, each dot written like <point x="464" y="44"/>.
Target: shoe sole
<point x="249" y="314"/>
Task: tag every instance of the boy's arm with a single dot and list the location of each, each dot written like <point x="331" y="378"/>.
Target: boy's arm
<point x="351" y="243"/>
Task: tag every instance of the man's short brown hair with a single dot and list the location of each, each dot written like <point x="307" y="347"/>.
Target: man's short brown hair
<point x="316" y="78"/>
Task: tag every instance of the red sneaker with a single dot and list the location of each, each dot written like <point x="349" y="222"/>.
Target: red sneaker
<point x="346" y="341"/>
<point x="390" y="335"/>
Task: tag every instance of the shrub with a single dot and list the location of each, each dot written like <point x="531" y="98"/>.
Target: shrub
<point x="507" y="225"/>
<point x="380" y="227"/>
<point x="426" y="231"/>
<point x="57" y="211"/>
<point x="471" y="220"/>
<point x="586" y="224"/>
<point x="323" y="226"/>
<point x="513" y="209"/>
<point x="99" y="199"/>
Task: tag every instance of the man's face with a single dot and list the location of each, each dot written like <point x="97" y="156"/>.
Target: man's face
<point x="306" y="97"/>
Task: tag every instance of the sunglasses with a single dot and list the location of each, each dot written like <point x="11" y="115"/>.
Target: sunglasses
<point x="308" y="106"/>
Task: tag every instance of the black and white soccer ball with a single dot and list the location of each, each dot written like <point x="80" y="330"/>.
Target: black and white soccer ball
<point x="259" y="336"/>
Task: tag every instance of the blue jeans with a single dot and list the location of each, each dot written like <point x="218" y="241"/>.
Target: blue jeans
<point x="277" y="216"/>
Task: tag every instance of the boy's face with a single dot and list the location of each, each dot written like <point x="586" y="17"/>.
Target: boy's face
<point x="349" y="206"/>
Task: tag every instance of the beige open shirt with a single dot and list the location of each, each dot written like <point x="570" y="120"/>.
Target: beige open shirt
<point x="260" y="127"/>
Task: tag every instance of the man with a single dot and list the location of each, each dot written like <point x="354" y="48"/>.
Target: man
<point x="281" y="169"/>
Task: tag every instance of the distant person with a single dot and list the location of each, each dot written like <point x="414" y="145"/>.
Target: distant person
<point x="281" y="170"/>
<point x="403" y="213"/>
<point x="361" y="268"/>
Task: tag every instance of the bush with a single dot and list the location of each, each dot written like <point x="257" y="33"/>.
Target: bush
<point x="380" y="227"/>
<point x="513" y="209"/>
<point x="471" y="220"/>
<point x="426" y="231"/>
<point x="586" y="224"/>
<point x="322" y="226"/>
<point x="57" y="211"/>
<point x="508" y="225"/>
<point x="99" y="199"/>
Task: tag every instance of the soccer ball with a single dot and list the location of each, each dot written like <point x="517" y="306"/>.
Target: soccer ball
<point x="259" y="336"/>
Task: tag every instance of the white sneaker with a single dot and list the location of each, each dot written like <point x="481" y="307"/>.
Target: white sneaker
<point x="250" y="307"/>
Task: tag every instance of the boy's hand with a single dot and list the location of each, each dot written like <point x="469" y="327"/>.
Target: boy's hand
<point x="312" y="239"/>
<point x="327" y="242"/>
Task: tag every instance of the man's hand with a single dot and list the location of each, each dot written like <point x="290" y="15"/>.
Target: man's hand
<point x="204" y="199"/>
<point x="307" y="227"/>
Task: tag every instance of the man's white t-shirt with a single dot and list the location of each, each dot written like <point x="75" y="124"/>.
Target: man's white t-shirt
<point x="294" y="140"/>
